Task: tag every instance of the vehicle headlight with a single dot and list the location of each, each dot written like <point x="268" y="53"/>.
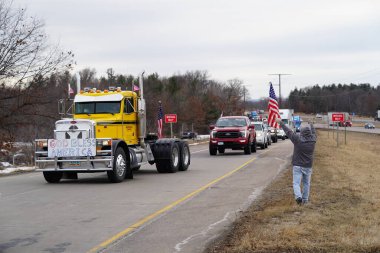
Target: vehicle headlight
<point x="243" y="133"/>
<point x="213" y="134"/>
<point x="41" y="145"/>
<point x="259" y="134"/>
<point x="104" y="142"/>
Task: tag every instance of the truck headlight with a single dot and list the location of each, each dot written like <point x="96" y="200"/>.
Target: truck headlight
<point x="213" y="134"/>
<point x="259" y="134"/>
<point x="41" y="144"/>
<point x="243" y="133"/>
<point x="104" y="142"/>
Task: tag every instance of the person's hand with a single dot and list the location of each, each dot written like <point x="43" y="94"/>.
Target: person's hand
<point x="278" y="120"/>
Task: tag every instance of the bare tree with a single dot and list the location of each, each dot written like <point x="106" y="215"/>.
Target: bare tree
<point x="87" y="77"/>
<point x="24" y="49"/>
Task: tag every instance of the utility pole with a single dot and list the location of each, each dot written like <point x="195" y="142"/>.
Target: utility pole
<point x="279" y="85"/>
<point x="244" y="99"/>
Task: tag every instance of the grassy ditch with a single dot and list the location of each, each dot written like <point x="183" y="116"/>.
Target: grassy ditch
<point x="344" y="210"/>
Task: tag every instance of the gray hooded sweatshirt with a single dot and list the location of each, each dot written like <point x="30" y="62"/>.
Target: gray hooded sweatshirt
<point x="304" y="144"/>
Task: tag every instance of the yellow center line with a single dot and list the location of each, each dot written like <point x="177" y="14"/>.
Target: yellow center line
<point x="148" y="218"/>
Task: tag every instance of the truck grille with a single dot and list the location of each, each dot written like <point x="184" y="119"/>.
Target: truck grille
<point x="227" y="134"/>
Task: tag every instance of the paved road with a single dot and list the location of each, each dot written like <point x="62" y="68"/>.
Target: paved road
<point x="154" y="212"/>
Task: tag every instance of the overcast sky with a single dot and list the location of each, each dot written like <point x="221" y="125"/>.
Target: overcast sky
<point x="322" y="41"/>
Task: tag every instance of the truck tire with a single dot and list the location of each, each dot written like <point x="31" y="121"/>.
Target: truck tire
<point x="221" y="150"/>
<point x="172" y="152"/>
<point x="212" y="150"/>
<point x="247" y="149"/>
<point x="120" y="167"/>
<point x="53" y="176"/>
<point x="253" y="147"/>
<point x="185" y="156"/>
<point x="136" y="168"/>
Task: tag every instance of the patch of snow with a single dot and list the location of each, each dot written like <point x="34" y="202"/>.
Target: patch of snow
<point x="14" y="169"/>
<point x="5" y="164"/>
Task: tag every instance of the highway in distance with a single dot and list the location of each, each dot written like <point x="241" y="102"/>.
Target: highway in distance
<point x="180" y="212"/>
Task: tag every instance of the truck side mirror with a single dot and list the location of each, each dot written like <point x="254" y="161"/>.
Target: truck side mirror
<point x="212" y="127"/>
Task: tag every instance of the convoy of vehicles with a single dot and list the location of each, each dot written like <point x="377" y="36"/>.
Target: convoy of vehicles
<point x="232" y="132"/>
<point x="107" y="133"/>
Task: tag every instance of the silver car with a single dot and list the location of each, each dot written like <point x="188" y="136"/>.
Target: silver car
<point x="273" y="134"/>
<point x="281" y="134"/>
<point x="261" y="134"/>
<point x="267" y="132"/>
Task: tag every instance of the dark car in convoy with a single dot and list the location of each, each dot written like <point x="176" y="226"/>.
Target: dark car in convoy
<point x="232" y="132"/>
<point x="369" y="126"/>
<point x="345" y="123"/>
<point x="189" y="135"/>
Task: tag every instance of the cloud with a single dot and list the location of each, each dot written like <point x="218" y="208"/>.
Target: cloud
<point x="316" y="41"/>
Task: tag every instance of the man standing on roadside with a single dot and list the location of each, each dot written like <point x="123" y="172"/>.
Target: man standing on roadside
<point x="303" y="154"/>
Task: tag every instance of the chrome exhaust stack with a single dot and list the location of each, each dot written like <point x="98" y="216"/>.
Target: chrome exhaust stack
<point x="142" y="112"/>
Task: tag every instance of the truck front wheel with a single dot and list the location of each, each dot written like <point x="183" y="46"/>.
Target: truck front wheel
<point x="247" y="149"/>
<point x="253" y="147"/>
<point x="213" y="150"/>
<point x="52" y="176"/>
<point x="120" y="167"/>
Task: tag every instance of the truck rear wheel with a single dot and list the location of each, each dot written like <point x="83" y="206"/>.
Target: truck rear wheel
<point x="253" y="147"/>
<point x="171" y="163"/>
<point x="120" y="167"/>
<point x="53" y="176"/>
<point x="185" y="156"/>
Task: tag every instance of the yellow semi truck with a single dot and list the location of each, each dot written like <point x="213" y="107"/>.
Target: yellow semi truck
<point x="107" y="133"/>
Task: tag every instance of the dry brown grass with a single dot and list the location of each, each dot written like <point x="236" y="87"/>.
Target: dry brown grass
<point x="344" y="210"/>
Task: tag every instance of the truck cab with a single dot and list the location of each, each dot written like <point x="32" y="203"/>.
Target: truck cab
<point x="114" y="113"/>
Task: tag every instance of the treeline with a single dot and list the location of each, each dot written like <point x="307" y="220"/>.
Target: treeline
<point x="30" y="110"/>
<point x="361" y="99"/>
<point x="193" y="96"/>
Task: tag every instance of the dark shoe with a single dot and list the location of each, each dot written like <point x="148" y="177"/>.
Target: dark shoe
<point x="299" y="201"/>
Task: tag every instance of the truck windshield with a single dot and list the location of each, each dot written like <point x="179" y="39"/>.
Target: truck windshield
<point x="97" y="107"/>
<point x="231" y="122"/>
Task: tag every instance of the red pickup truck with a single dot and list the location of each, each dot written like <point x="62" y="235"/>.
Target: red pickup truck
<point x="232" y="132"/>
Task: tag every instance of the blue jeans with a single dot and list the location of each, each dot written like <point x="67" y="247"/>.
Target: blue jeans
<point x="301" y="174"/>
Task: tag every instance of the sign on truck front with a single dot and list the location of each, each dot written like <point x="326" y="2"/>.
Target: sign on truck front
<point x="71" y="147"/>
